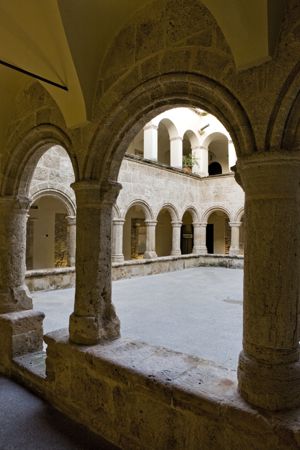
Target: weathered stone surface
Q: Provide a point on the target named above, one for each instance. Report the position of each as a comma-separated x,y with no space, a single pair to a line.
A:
20,333
149,397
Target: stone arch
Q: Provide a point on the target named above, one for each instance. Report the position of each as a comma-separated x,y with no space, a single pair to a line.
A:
193,211
170,126
172,210
191,135
145,207
213,209
212,136
116,213
25,156
56,193
239,214
141,105
282,131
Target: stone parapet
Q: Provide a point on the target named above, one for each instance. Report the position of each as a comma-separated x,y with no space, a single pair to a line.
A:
176,401
20,333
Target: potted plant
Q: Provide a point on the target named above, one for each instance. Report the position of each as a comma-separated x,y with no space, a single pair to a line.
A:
188,161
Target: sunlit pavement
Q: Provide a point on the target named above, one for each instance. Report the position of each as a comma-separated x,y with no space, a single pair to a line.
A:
196,311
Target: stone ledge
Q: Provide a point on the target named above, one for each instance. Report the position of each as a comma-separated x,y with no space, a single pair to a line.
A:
150,397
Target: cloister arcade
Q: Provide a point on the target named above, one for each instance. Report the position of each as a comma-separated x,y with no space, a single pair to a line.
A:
144,228
108,90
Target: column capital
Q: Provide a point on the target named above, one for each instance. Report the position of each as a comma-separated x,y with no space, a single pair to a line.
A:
18,204
199,224
273,174
118,221
150,126
91,194
150,223
176,224
235,224
176,138
71,220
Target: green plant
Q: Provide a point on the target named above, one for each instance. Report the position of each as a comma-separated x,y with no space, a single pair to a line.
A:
189,161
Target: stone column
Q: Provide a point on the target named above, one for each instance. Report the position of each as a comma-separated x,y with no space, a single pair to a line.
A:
235,238
176,235
150,142
176,152
94,318
150,239
71,239
201,156
199,238
14,295
231,155
117,240
269,370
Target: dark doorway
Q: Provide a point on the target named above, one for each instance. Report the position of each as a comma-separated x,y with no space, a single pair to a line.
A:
210,237
187,240
214,169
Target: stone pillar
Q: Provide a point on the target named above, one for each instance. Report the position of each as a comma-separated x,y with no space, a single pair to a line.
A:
201,156
269,370
71,240
150,239
231,155
117,240
94,318
150,142
235,238
176,235
176,152
14,295
199,238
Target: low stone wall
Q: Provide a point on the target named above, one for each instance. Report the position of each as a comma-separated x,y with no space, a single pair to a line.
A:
142,267
46,279
64,277
142,397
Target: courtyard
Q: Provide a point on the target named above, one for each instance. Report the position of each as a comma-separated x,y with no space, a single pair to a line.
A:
194,311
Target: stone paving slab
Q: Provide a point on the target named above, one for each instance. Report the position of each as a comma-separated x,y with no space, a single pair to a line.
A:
195,311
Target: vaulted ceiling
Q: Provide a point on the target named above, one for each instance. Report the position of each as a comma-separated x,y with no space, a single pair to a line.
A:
64,41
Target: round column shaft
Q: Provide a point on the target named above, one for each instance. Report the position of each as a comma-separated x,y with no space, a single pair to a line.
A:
150,239
269,370
117,244
71,240
94,318
176,234
235,238
14,294
199,238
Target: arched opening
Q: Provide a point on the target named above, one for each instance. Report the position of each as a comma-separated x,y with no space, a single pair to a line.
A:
218,233
47,239
50,238
134,232
187,158
163,144
136,146
163,233
187,234
214,168
218,161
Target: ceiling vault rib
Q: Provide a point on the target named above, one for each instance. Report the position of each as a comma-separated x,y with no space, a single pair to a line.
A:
33,75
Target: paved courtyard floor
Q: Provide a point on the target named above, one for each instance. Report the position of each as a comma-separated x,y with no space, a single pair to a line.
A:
195,311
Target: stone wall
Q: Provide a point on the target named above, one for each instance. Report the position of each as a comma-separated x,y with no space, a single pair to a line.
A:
158,186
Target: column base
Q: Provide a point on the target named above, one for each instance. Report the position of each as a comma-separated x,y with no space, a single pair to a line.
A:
200,251
20,333
117,258
234,252
272,387
86,330
15,299
150,255
176,253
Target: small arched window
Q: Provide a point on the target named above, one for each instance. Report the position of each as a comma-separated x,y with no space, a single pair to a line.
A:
214,168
